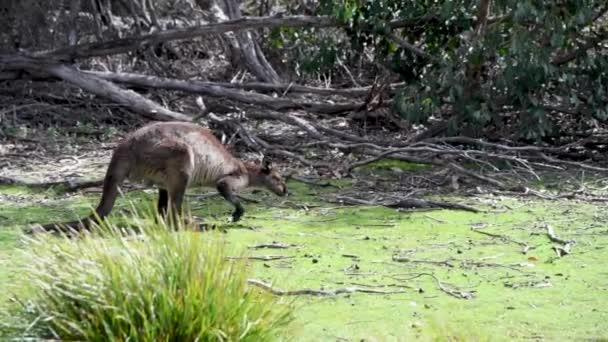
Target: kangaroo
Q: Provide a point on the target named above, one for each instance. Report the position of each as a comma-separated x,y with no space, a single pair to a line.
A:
177,155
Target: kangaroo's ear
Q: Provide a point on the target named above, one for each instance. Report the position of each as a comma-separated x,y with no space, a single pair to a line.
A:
266,165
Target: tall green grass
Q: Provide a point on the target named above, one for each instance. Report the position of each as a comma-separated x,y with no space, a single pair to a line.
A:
156,285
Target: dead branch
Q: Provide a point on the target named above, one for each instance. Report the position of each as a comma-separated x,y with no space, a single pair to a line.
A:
450,290
575,164
411,47
69,185
473,141
445,263
537,284
128,98
525,247
535,150
322,184
408,203
472,174
555,238
204,88
275,245
567,245
92,84
298,88
133,43
425,148
263,257
124,45
312,292
258,144
289,119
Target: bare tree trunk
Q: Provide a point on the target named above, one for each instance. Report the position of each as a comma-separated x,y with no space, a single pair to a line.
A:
73,31
252,54
473,71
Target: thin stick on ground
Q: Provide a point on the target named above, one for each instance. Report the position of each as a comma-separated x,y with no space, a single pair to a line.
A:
312,292
559,250
450,290
408,203
525,246
275,245
263,257
70,185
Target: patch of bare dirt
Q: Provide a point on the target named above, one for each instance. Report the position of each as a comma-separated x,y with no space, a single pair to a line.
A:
44,160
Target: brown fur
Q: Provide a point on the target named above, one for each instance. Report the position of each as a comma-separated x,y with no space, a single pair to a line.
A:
178,155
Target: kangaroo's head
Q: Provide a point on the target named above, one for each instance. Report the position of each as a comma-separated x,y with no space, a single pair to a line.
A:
266,176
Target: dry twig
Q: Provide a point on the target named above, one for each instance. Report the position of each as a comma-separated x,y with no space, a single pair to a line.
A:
263,257
567,245
280,292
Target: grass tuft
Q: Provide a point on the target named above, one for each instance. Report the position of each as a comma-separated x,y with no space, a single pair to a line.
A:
156,285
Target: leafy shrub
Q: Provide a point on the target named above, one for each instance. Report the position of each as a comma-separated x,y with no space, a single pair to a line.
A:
533,61
154,286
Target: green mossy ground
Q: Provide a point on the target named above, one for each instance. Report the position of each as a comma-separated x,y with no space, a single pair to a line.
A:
517,296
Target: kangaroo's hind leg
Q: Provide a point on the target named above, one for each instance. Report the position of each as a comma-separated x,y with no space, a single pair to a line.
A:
177,169
163,202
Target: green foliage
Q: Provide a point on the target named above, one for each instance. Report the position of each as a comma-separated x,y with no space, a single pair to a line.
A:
154,286
513,66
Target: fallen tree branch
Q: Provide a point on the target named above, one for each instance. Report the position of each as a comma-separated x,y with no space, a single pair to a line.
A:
280,292
297,88
263,257
450,290
540,150
258,144
423,148
322,184
525,247
567,245
537,284
69,185
408,203
92,84
274,245
472,174
133,43
124,45
446,263
206,88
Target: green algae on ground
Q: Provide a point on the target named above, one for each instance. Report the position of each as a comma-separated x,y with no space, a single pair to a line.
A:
516,296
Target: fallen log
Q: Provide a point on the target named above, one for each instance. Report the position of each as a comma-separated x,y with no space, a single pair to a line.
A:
92,84
205,88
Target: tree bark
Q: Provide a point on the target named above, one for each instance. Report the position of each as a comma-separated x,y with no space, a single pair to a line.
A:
252,55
